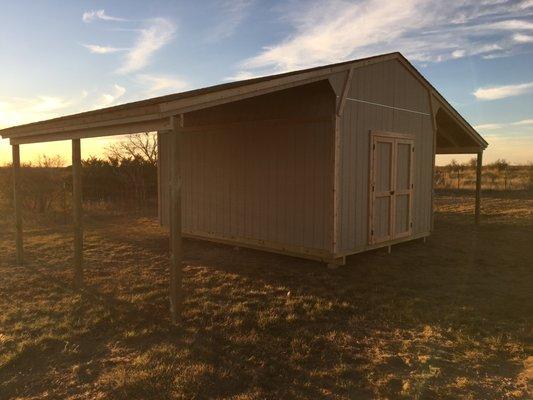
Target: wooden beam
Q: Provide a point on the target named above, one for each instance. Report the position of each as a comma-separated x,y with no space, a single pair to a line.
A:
77,213
175,290
458,150
79,133
17,206
336,183
345,90
446,135
433,109
479,166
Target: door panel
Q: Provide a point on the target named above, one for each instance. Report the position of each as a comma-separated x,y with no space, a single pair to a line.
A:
402,217
403,188
384,163
381,226
382,218
391,187
403,169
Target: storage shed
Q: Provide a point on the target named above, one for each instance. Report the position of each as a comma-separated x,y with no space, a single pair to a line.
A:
320,163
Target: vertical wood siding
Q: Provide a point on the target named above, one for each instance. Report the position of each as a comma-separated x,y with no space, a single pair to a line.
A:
259,181
391,84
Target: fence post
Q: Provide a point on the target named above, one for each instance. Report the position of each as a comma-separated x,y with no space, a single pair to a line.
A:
77,213
479,165
16,204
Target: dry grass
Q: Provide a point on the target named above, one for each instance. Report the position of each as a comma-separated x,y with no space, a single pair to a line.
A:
447,319
514,177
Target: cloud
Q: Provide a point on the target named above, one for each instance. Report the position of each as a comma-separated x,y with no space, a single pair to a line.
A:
160,85
501,92
109,99
484,127
156,34
97,49
90,16
512,25
521,38
523,122
423,30
242,75
17,110
230,14
506,128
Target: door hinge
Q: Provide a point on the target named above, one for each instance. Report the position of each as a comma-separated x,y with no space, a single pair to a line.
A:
372,232
413,149
372,187
410,224
374,146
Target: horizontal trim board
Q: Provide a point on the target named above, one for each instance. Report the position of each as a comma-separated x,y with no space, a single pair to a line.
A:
382,244
126,129
269,121
279,248
393,135
387,106
142,119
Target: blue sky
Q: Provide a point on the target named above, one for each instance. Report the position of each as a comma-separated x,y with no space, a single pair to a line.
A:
61,57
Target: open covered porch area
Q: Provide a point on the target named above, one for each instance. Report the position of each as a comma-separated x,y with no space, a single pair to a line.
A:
453,136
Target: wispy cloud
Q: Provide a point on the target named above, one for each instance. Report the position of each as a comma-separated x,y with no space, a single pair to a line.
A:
97,49
524,122
90,16
157,33
17,110
157,85
521,38
242,75
230,14
109,99
486,127
501,92
424,30
521,127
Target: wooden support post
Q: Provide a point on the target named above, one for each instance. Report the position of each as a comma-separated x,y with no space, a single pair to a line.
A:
479,166
77,213
176,295
16,204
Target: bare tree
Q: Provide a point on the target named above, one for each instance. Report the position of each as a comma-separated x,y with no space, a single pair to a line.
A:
457,168
44,161
142,145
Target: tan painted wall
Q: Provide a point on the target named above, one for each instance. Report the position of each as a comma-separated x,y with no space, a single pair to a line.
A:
267,183
391,84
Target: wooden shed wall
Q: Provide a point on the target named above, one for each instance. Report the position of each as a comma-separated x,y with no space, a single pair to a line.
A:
387,83
259,171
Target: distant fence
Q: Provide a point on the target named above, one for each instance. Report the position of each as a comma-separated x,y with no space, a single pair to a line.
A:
129,184
509,177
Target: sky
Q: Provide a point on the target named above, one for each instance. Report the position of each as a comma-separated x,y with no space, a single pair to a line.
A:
62,57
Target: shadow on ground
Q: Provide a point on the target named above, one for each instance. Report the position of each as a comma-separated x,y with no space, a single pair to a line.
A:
446,319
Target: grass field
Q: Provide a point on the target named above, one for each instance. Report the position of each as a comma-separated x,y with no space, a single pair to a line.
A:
449,319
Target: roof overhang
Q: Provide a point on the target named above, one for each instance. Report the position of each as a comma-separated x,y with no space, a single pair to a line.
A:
153,114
